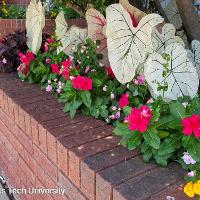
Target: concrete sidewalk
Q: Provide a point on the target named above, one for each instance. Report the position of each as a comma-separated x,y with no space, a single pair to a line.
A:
4,195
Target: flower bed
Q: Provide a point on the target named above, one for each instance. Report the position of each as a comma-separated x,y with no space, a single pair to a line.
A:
81,83
41,147
142,93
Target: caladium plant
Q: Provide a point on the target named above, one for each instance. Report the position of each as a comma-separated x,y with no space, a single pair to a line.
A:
133,11
172,13
161,40
171,75
97,31
127,45
194,55
69,37
35,22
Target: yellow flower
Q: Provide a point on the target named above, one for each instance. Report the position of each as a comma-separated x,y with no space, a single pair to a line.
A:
197,187
189,189
53,14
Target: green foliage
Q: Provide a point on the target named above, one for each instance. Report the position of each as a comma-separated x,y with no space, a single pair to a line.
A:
14,12
98,4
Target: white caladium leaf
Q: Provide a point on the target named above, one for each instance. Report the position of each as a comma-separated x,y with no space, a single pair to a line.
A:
127,45
61,25
172,13
69,38
183,36
194,55
161,40
35,22
171,75
96,31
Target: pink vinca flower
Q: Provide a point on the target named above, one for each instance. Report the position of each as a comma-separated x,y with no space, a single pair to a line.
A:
50,40
187,158
140,80
151,100
49,88
192,173
48,60
192,125
47,43
124,100
139,119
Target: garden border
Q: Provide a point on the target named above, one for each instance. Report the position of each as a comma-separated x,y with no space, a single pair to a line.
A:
40,146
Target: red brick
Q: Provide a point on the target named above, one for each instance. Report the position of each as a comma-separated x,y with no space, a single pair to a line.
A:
62,154
74,169
39,172
23,138
117,174
21,120
42,138
154,181
71,190
86,150
175,191
52,147
14,23
34,131
50,183
27,171
72,126
86,135
10,109
27,119
6,120
16,113
45,163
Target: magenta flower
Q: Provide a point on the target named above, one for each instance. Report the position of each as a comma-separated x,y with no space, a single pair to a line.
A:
67,63
192,125
139,119
124,100
55,68
82,83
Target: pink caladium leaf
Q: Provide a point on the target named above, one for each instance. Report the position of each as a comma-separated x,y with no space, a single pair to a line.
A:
96,30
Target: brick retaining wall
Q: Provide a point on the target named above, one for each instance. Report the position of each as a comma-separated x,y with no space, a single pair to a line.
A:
10,25
21,2
40,146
